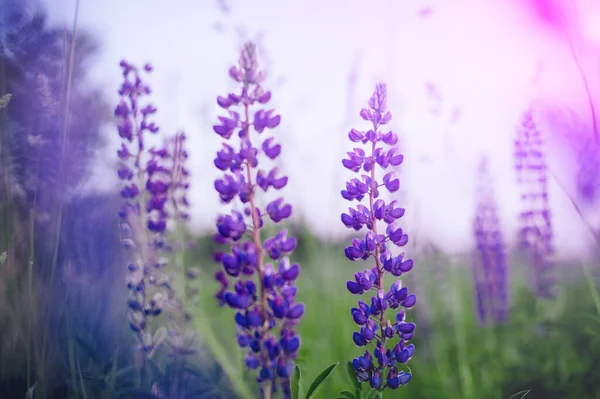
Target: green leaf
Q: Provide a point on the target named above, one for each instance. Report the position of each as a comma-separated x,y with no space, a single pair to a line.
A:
2,258
220,353
374,394
357,385
520,395
347,395
4,100
319,379
296,383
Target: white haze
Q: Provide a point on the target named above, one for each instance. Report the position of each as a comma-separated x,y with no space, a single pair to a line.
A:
487,60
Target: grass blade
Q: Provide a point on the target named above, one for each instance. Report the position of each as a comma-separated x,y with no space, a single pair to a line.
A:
319,380
296,383
520,395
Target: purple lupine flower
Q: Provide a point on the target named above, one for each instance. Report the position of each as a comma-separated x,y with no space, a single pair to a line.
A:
141,194
490,276
262,293
154,190
169,162
174,154
376,329
535,218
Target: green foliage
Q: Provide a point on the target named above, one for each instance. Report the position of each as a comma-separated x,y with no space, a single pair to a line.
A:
520,395
295,385
319,380
548,349
539,351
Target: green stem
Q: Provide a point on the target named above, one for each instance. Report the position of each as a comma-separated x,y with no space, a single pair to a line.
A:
64,136
461,339
585,83
5,155
30,292
71,359
592,287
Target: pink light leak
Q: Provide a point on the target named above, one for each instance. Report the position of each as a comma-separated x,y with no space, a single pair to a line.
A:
578,17
574,27
425,12
546,11
478,64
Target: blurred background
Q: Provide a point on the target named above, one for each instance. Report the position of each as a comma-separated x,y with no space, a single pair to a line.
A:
460,76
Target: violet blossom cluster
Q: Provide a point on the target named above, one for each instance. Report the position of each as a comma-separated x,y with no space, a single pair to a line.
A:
148,186
263,294
167,166
489,268
381,367
535,218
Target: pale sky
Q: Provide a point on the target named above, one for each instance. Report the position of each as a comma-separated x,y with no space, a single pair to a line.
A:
487,60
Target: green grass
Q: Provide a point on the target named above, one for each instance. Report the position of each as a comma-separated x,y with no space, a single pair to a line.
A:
550,348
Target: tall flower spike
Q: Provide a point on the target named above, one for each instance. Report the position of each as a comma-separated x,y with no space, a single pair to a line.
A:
376,329
489,267
169,162
263,294
142,214
535,218
179,178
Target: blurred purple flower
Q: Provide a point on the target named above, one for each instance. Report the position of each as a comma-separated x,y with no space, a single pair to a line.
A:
154,192
490,275
535,218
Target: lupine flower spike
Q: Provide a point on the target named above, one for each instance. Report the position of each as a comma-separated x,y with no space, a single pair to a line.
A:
143,218
168,163
535,219
382,366
262,293
489,267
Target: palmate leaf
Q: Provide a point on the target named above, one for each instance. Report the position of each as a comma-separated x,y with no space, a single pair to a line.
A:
319,380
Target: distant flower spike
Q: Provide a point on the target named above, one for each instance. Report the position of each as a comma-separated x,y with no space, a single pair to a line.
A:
143,193
535,219
376,329
489,268
154,190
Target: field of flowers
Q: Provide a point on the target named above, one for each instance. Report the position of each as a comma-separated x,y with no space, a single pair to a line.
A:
113,296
